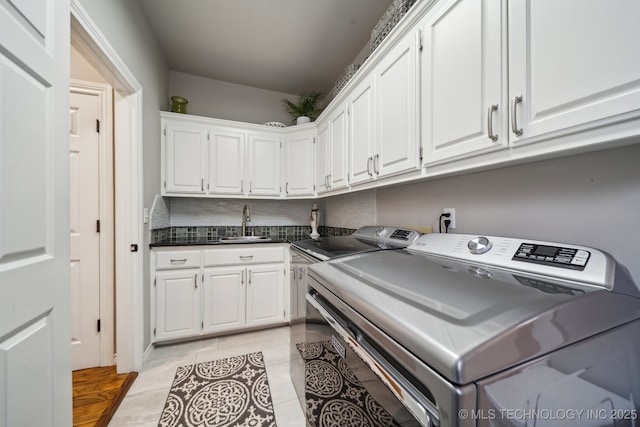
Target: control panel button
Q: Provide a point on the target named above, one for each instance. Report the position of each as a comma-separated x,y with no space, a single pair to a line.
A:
479,245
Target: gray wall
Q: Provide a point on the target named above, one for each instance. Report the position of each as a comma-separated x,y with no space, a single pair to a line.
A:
125,27
222,100
590,199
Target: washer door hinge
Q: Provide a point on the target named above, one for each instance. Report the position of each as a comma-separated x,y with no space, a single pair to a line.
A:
97,126
98,325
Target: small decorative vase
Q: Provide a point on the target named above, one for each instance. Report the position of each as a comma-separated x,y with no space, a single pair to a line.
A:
314,221
179,104
302,120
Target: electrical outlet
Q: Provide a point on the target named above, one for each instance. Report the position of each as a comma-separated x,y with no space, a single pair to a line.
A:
452,216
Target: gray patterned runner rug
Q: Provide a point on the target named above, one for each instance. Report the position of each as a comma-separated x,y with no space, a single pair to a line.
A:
334,394
230,392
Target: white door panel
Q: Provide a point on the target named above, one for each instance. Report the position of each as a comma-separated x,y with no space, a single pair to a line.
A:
84,143
35,354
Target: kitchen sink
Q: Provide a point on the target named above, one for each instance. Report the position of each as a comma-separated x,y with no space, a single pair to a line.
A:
245,239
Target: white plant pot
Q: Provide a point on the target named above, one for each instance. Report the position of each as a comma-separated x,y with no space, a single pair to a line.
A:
302,119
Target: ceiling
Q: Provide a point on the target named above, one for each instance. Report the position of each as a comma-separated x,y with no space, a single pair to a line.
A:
289,46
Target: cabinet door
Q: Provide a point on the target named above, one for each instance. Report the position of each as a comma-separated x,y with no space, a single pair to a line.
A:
299,160
323,158
338,150
223,299
397,144
461,80
177,307
361,119
573,63
226,162
264,165
184,158
265,295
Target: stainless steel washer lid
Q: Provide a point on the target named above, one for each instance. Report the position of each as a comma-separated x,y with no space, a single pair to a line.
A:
365,239
467,321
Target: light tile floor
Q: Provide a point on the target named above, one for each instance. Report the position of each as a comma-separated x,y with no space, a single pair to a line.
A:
143,403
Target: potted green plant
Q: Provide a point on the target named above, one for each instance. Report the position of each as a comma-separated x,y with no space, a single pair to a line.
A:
305,109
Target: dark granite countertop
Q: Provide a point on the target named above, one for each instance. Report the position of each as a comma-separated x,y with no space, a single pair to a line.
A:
200,241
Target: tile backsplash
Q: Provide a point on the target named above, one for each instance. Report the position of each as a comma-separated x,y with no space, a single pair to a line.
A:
213,233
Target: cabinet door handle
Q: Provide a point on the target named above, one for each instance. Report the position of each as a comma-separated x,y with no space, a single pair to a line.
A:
195,280
514,121
178,261
249,276
376,164
492,108
246,257
242,186
242,277
286,188
250,186
369,161
201,184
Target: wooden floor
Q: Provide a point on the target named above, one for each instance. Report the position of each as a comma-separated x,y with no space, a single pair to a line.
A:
97,393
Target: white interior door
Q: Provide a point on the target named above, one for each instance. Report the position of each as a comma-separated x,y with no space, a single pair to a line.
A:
84,166
35,351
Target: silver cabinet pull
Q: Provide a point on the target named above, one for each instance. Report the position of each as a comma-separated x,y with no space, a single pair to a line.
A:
242,277
246,257
514,121
376,164
178,261
369,161
250,186
242,186
492,108
201,184
249,276
286,188
195,280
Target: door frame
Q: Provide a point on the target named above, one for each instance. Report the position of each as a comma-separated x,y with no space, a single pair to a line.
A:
87,38
103,93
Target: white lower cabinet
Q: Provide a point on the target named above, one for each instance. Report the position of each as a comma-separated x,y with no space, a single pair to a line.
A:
213,290
237,297
177,304
223,299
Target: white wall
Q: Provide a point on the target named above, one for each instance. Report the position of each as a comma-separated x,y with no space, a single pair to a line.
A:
124,25
222,100
590,199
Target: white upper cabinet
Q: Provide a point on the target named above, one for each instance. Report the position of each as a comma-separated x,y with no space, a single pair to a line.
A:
338,165
463,105
226,162
299,163
397,145
572,63
211,157
184,159
570,76
264,164
361,122
332,151
323,157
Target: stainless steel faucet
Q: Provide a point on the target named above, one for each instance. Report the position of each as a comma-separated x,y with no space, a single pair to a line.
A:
246,216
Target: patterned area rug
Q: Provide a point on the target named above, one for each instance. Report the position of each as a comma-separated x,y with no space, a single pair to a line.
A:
230,392
334,394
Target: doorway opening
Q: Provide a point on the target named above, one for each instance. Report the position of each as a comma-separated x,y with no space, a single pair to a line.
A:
89,42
